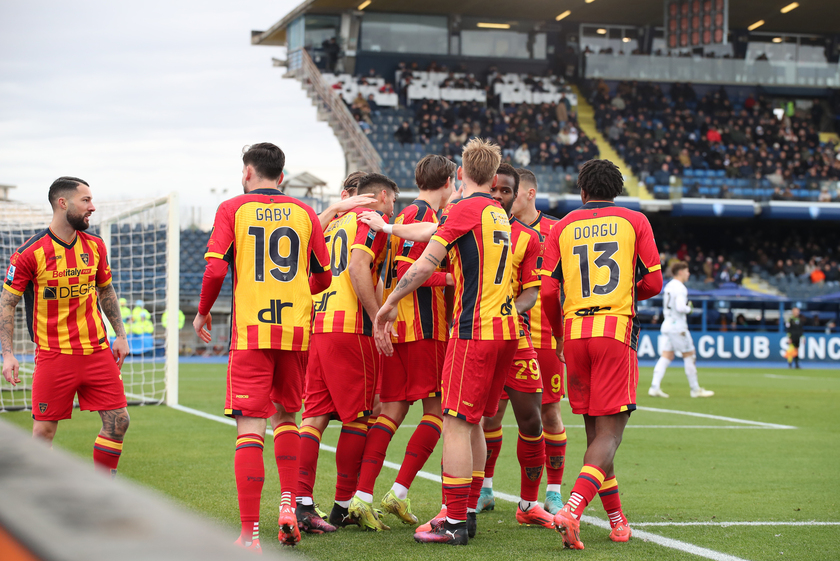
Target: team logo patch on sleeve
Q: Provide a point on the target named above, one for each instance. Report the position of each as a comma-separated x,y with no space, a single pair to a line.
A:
85,258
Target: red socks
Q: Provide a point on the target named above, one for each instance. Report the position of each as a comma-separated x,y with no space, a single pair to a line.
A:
419,448
530,451
376,445
555,456
612,502
493,439
250,474
457,492
106,453
348,459
310,442
586,486
286,454
475,490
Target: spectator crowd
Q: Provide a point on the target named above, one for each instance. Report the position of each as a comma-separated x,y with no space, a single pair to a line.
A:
662,136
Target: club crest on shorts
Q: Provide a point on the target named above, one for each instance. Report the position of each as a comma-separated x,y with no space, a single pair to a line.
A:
85,258
43,407
534,473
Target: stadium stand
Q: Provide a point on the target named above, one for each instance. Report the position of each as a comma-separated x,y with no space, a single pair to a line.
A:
715,145
532,118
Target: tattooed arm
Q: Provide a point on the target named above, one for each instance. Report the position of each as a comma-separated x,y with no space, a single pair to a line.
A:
421,270
8,302
110,304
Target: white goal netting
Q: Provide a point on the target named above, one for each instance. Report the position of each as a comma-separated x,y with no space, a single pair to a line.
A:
142,237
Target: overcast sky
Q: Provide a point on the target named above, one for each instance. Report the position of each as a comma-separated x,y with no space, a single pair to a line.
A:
143,98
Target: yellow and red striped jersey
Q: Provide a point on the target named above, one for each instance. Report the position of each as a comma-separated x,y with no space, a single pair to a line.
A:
541,334
476,232
58,282
422,314
526,260
338,309
596,252
274,242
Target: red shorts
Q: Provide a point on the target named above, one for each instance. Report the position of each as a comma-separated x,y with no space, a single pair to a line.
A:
258,378
413,372
59,377
524,374
474,373
341,377
602,376
552,375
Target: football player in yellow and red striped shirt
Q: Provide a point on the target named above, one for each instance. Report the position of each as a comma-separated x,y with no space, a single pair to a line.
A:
341,330
551,369
413,372
475,232
607,260
62,273
276,247
524,385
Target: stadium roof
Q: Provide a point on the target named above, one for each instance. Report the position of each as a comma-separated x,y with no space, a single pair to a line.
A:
811,17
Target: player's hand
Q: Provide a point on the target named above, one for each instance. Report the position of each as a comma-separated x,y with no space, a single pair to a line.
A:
203,325
11,369
372,219
120,350
450,280
383,326
458,194
560,356
357,200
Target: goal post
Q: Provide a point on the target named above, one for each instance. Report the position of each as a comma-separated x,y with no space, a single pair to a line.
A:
143,242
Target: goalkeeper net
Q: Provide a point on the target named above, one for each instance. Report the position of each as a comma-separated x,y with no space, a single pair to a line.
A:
142,237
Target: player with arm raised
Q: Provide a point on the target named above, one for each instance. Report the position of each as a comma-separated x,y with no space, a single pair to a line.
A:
675,309
475,232
341,334
524,385
551,369
413,372
274,244
607,260
349,199
62,273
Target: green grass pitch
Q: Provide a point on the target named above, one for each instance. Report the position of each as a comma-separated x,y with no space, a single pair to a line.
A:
672,469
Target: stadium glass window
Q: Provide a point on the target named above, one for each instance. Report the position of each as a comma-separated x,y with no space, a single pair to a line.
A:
400,33
494,43
319,29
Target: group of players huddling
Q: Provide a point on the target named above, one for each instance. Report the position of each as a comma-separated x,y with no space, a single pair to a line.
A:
456,303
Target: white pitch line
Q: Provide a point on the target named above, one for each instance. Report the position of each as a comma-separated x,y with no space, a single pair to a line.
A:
704,427
727,524
717,417
641,534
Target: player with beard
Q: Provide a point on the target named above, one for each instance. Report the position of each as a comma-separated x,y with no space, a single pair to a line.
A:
62,273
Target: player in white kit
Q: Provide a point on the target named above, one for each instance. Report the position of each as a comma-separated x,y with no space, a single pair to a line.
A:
675,309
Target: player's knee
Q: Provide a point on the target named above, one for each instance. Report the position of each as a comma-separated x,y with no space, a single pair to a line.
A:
531,424
551,419
44,431
121,422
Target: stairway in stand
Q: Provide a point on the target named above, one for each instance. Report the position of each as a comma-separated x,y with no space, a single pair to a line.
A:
586,120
